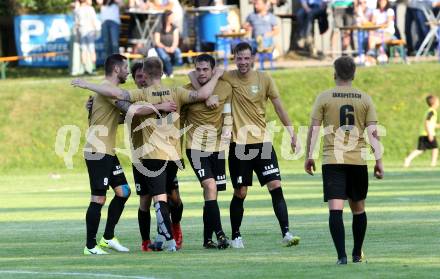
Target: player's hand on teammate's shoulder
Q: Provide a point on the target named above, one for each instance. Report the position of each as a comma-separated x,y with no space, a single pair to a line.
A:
169,106
219,72
378,170
309,166
212,102
78,82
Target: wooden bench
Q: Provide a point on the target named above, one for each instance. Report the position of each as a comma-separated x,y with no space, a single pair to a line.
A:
396,45
4,61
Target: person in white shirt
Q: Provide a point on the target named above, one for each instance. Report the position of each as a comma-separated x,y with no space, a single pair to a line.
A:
384,16
86,26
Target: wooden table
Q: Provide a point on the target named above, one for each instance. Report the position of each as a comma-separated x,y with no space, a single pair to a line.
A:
153,19
360,29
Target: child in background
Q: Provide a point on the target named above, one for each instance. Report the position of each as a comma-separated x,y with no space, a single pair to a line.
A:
427,138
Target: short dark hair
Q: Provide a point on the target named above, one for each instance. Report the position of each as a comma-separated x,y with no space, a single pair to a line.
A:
243,46
205,58
345,68
111,61
134,68
430,100
153,67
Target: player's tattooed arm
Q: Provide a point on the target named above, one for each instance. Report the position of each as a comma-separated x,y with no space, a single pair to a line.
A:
193,96
102,89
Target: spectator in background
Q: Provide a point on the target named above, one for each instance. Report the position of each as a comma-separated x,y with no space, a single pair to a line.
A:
343,15
262,25
310,10
161,5
383,15
166,40
414,15
393,5
364,16
86,26
170,5
110,24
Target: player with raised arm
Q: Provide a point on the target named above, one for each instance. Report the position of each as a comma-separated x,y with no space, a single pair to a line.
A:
345,113
102,163
160,154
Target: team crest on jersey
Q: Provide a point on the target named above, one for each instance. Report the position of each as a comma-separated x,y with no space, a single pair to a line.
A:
254,89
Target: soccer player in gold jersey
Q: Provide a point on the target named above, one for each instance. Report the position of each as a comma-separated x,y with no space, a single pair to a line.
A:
251,148
160,154
208,135
345,113
102,163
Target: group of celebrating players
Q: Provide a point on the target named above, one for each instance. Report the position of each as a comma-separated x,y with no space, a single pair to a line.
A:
218,111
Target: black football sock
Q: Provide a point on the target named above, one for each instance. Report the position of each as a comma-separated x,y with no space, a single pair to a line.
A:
359,227
280,209
176,212
115,209
144,220
207,229
163,220
337,231
93,216
213,213
236,211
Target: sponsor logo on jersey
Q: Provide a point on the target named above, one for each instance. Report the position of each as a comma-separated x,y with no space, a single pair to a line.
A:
161,93
255,89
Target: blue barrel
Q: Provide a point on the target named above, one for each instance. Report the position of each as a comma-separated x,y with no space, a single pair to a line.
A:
209,24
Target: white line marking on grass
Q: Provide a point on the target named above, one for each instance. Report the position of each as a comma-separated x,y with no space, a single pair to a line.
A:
99,275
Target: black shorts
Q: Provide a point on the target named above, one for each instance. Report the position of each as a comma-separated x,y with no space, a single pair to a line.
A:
425,144
155,177
345,181
104,172
246,158
208,165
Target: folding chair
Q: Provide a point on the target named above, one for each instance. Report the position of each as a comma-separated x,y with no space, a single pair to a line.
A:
433,33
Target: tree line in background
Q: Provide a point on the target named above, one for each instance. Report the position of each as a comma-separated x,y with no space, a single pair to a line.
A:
16,7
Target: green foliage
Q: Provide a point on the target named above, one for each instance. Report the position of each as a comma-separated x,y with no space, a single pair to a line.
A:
36,6
32,110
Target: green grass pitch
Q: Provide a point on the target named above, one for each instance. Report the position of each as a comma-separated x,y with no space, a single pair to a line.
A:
42,226
43,232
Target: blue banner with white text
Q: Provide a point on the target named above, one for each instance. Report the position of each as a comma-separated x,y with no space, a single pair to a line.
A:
37,34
